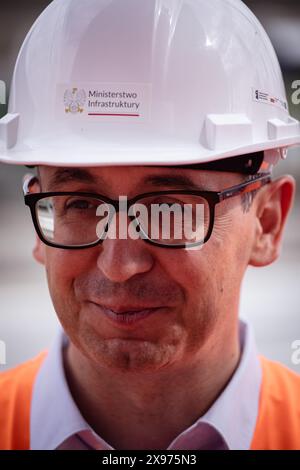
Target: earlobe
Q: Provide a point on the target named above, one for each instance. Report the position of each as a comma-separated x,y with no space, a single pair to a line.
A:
273,206
39,251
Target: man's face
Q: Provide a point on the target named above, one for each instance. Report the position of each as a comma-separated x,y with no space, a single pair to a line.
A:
196,292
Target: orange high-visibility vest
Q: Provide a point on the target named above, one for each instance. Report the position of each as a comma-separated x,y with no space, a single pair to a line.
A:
277,427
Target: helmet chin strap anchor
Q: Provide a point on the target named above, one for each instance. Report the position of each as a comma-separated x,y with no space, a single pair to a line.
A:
9,130
283,153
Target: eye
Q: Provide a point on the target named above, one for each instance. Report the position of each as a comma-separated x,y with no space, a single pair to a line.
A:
81,204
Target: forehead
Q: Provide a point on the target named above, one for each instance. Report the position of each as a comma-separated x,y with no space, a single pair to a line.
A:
132,177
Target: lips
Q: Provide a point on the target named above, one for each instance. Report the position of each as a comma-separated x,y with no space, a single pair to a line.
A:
127,309
122,307
127,315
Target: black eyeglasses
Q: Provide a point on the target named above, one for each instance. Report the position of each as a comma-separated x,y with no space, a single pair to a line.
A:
168,219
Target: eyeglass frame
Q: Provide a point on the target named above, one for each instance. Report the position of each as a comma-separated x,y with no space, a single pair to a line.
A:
212,197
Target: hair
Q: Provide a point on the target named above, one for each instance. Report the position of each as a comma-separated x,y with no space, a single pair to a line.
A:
247,198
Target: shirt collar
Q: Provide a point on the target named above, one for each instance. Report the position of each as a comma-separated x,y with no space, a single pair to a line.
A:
234,414
55,417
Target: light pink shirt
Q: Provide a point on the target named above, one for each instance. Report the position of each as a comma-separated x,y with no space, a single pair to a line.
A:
56,421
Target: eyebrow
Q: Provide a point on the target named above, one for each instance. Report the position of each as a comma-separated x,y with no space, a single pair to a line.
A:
66,175
181,181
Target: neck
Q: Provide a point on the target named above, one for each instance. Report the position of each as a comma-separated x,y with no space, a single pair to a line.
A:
149,410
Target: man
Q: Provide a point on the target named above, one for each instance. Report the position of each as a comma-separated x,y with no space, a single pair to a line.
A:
172,109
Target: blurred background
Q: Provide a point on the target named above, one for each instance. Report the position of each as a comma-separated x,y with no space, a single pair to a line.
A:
270,296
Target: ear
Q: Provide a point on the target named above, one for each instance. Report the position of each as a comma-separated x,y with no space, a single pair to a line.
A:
39,251
273,205
39,247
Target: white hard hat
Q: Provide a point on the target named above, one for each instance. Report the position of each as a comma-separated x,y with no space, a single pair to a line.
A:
158,82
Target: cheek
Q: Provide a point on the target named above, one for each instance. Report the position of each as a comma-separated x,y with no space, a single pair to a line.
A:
196,272
62,268
213,273
230,246
68,264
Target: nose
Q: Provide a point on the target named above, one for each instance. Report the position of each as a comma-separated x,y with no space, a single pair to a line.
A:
121,259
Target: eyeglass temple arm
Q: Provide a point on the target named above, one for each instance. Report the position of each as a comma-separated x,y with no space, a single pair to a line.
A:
246,187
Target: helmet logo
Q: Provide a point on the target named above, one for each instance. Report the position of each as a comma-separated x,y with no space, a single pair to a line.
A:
267,98
74,100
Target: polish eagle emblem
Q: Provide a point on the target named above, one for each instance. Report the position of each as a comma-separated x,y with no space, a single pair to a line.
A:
74,100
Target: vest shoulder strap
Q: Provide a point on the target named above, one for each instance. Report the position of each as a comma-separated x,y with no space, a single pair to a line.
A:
15,402
278,423
277,427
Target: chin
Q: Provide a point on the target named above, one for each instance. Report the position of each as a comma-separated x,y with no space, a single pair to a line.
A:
127,354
